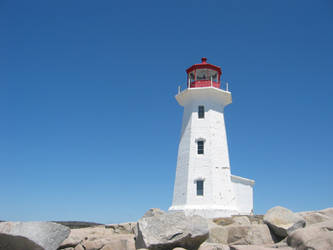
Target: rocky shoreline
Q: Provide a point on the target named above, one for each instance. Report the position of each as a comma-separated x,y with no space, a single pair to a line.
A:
279,228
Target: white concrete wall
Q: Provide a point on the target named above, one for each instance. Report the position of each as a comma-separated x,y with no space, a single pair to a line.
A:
244,192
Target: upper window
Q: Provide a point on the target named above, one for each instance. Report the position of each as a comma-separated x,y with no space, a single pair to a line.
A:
200,187
202,74
201,112
192,76
200,147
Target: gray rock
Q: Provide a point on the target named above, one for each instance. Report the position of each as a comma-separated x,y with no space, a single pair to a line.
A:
116,242
256,247
79,247
328,212
153,212
170,230
316,237
313,217
249,235
99,237
217,234
224,221
241,220
213,246
12,242
281,244
47,235
283,221
123,228
79,235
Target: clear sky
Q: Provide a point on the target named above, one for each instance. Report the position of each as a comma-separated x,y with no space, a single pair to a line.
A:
89,125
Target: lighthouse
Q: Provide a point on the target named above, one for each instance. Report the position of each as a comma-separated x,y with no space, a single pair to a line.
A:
203,182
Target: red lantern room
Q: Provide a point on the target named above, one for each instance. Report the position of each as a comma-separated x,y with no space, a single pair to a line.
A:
203,75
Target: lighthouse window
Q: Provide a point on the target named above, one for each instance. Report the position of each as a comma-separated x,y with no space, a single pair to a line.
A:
213,76
200,188
191,76
200,147
202,74
201,112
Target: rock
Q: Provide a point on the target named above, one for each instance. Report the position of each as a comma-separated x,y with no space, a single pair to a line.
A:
79,247
328,212
282,244
249,235
77,224
13,242
313,217
123,228
324,240
224,221
47,235
99,238
256,219
316,236
213,246
241,220
115,242
257,247
94,244
217,234
153,212
283,221
77,236
170,230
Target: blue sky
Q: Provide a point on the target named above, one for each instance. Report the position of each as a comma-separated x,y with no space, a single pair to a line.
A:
89,124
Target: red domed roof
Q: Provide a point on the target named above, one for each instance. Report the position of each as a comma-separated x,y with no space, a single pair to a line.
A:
204,75
204,65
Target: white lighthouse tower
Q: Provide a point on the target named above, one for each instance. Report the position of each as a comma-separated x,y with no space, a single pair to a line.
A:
204,184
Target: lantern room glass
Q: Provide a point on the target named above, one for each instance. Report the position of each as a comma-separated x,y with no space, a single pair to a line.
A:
203,75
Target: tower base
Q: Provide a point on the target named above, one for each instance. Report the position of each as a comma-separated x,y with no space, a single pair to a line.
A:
206,211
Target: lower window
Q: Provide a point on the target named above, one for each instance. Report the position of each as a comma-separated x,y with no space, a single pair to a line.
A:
200,188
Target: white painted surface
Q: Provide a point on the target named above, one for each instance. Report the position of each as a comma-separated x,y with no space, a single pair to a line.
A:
244,192
220,190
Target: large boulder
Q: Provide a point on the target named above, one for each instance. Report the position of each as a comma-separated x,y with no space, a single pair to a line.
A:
283,221
101,237
328,212
313,217
170,230
37,235
217,234
13,242
316,237
256,234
